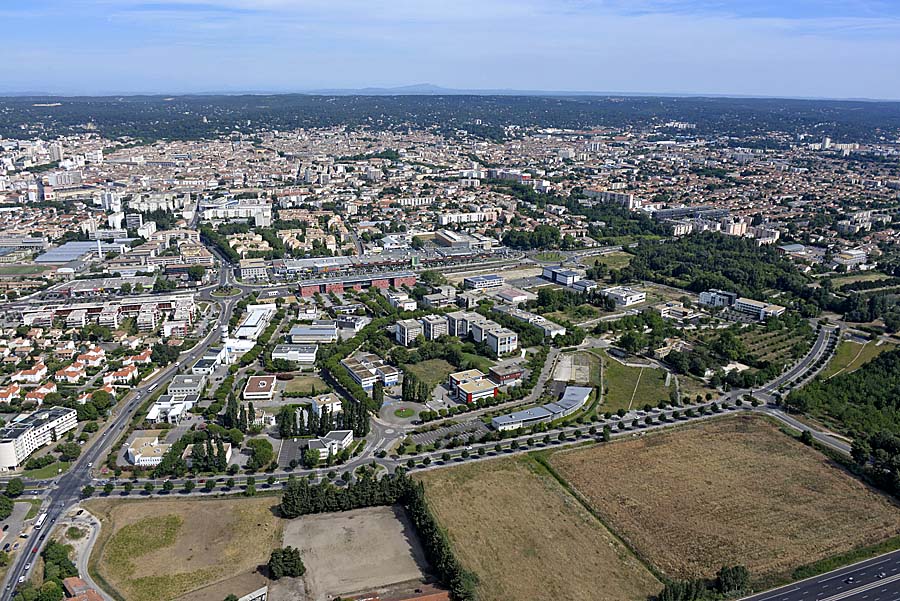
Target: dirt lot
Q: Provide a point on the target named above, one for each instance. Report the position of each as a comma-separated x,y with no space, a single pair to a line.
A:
521,532
356,551
153,550
728,491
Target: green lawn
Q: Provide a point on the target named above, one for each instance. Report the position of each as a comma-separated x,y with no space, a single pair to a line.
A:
549,256
21,269
33,510
46,472
632,387
305,384
615,260
404,413
850,356
432,371
869,276
481,363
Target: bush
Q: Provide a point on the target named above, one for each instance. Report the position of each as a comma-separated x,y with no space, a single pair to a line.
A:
286,562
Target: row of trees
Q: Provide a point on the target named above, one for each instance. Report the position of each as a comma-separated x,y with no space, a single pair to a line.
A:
729,581
301,498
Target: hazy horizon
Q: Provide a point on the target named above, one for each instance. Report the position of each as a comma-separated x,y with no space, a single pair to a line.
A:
830,49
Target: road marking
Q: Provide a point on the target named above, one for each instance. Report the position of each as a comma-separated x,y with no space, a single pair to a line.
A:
864,588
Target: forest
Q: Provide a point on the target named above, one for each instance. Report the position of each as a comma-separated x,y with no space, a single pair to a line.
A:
711,260
863,402
182,117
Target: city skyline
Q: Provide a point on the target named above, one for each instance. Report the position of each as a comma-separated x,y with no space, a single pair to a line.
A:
666,47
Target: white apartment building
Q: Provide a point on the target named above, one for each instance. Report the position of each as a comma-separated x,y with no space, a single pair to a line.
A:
407,331
502,341
434,326
21,438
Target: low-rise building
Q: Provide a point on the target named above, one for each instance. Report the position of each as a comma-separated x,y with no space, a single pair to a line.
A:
259,388
483,282
367,369
304,354
624,296
320,331
757,309
332,443
573,399
146,451
187,385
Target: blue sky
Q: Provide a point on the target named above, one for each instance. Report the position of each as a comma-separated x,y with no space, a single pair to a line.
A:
807,48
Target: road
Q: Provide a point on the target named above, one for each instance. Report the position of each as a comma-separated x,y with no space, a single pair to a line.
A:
66,491
876,579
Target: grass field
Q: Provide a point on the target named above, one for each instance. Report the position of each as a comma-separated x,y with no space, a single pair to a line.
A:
631,387
432,371
161,549
49,471
304,385
21,269
728,491
615,260
550,256
481,363
851,355
404,413
521,532
870,276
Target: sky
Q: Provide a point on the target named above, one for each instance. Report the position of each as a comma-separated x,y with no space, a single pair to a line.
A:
783,48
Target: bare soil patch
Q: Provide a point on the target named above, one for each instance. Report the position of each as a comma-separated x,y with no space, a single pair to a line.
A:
364,550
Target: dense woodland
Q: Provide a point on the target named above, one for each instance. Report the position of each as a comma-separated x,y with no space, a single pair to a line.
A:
863,401
182,117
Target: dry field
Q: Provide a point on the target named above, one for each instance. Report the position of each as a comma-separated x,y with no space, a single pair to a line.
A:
728,491
156,550
521,532
356,551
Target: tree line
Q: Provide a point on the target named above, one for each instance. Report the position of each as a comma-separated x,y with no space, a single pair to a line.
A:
301,498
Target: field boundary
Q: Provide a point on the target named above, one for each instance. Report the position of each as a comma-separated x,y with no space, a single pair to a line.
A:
538,458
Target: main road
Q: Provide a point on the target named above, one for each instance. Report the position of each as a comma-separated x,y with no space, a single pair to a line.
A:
66,489
876,579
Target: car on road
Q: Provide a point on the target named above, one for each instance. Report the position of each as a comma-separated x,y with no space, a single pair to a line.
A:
21,579
91,464
880,575
27,566
850,580
5,527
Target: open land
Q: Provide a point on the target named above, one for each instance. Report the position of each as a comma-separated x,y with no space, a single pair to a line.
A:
432,371
154,550
632,387
356,551
520,531
728,491
305,384
849,356
614,260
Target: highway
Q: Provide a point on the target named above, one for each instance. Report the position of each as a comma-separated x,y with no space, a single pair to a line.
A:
876,579
65,491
